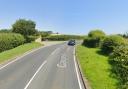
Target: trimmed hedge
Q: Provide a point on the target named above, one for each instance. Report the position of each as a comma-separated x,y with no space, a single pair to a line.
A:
10,40
120,66
62,37
111,42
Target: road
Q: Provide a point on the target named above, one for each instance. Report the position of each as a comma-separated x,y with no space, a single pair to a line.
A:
50,67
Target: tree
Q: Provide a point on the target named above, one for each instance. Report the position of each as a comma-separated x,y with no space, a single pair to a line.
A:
94,39
96,34
24,27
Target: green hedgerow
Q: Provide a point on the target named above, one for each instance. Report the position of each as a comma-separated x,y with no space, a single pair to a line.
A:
120,66
110,42
10,40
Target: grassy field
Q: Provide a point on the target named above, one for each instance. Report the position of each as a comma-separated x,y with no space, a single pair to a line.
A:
96,68
17,51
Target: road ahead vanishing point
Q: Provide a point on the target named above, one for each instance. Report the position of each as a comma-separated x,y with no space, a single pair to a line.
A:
51,67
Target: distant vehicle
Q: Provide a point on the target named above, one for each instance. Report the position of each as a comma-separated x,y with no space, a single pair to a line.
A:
71,42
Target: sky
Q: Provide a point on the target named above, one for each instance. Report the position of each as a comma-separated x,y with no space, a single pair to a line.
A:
68,16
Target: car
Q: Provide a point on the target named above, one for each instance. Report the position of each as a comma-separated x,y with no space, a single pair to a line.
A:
71,42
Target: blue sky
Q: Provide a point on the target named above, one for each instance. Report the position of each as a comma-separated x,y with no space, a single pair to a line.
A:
68,16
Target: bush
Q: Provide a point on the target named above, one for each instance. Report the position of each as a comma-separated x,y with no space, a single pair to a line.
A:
10,40
91,42
94,38
96,34
111,42
120,59
30,39
44,34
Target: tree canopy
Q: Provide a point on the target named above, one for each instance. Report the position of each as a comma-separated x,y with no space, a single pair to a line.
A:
96,33
24,27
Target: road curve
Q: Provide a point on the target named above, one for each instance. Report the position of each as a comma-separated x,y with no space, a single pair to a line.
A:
51,67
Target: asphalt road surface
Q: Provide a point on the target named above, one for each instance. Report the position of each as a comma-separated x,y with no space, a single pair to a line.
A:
50,67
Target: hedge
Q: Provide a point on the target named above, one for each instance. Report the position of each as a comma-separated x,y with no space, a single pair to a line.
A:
111,42
120,66
91,42
30,38
94,39
10,40
62,37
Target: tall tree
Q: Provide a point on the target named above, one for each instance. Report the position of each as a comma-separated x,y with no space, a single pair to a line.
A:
24,27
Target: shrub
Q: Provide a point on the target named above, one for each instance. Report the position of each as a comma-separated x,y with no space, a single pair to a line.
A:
96,34
10,40
120,59
44,34
91,42
111,42
94,38
30,39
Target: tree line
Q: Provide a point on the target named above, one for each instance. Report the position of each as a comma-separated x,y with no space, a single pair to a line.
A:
24,31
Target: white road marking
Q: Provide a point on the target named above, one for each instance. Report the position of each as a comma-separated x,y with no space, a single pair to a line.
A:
35,74
55,51
39,69
21,57
78,77
63,61
62,64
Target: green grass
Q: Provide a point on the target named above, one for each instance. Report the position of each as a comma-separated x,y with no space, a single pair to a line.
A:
9,54
96,68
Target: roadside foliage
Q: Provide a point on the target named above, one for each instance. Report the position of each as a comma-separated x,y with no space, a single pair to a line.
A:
115,47
10,40
119,60
110,42
27,28
62,37
94,38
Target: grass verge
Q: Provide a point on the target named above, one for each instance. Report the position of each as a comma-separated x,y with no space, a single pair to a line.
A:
96,68
6,55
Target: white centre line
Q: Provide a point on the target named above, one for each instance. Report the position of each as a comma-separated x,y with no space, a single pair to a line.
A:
78,77
35,74
40,69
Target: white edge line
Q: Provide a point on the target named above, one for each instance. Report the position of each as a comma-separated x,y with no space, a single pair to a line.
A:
35,74
78,77
21,57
